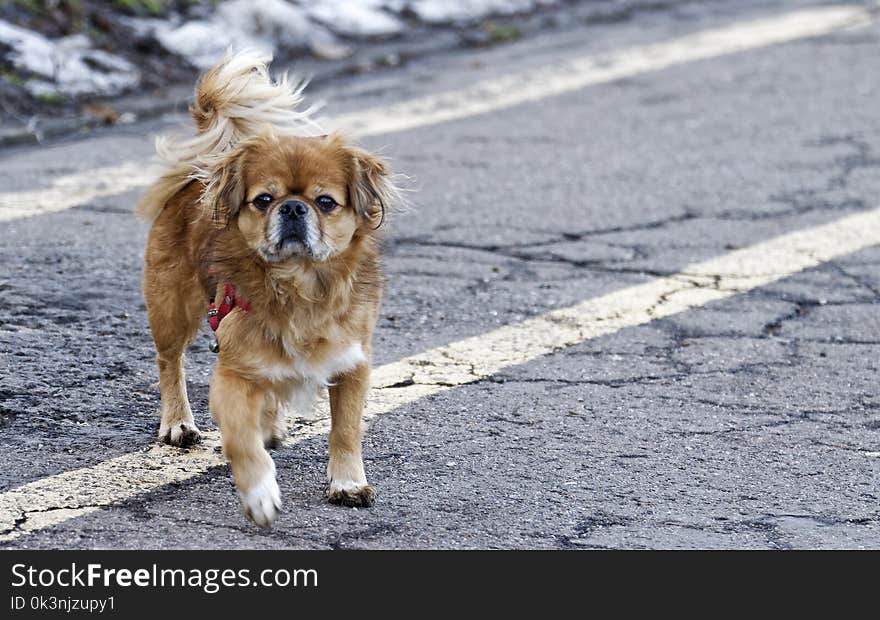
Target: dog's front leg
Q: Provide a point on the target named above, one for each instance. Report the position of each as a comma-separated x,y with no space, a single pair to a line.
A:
345,470
237,405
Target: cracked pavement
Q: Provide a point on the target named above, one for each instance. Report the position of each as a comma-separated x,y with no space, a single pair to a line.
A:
750,422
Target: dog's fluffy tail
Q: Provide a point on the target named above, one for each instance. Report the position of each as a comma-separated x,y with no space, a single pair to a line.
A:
234,101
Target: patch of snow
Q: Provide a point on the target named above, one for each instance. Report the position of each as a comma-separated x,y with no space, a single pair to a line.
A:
266,25
201,43
274,20
143,27
66,66
270,25
30,51
355,18
41,88
451,11
70,66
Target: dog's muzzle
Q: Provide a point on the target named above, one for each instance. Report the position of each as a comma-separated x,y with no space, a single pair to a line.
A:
294,224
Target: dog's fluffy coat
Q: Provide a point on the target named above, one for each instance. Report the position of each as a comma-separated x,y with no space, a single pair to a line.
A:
306,262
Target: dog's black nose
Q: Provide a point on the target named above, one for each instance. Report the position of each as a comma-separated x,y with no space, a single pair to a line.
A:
293,208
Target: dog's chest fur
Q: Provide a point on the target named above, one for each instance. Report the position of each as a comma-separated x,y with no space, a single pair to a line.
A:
317,365
307,324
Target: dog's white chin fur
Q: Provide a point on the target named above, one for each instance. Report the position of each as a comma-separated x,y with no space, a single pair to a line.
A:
291,250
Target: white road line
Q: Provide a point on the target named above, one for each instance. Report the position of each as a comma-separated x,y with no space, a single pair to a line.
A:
56,499
76,189
566,76
577,73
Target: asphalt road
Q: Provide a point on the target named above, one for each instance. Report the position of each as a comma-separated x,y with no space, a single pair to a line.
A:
751,421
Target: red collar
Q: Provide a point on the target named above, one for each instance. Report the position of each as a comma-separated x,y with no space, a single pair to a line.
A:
218,313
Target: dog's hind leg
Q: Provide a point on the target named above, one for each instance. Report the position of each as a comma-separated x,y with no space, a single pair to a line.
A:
294,399
174,313
273,423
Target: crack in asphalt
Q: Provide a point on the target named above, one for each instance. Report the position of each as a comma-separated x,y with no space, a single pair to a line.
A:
767,525
801,310
800,202
23,518
862,157
854,278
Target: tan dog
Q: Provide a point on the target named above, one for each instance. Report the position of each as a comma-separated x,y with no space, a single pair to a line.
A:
288,223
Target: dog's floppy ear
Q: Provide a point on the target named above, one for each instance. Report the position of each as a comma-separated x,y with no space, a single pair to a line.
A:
371,190
224,190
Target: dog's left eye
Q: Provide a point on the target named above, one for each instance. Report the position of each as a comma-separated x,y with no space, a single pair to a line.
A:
262,201
326,203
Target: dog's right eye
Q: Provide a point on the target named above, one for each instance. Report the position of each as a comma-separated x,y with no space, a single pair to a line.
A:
262,201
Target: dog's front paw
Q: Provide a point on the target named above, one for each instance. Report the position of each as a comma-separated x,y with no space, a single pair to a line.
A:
262,501
182,434
353,494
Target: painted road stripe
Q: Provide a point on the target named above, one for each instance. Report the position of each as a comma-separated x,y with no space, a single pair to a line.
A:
566,76
76,189
56,499
577,73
